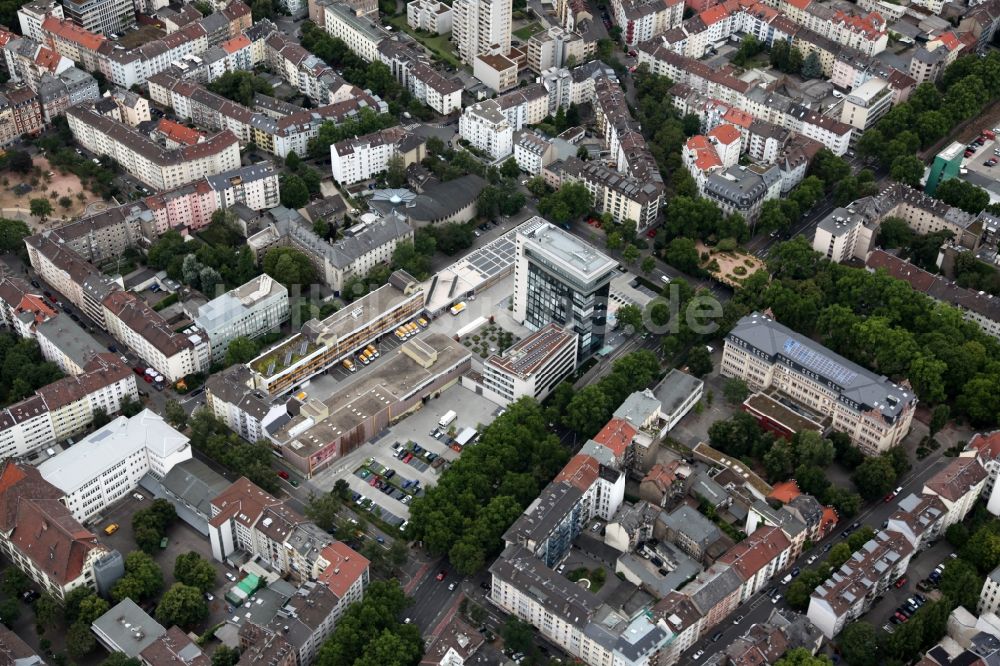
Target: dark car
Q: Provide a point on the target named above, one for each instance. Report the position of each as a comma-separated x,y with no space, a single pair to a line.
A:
34,283
716,636
795,572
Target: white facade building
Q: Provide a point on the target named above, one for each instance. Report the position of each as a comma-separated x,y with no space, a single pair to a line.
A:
875,413
481,26
532,367
959,486
136,325
429,15
250,310
105,466
485,126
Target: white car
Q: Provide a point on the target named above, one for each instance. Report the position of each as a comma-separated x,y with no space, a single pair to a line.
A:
812,558
451,586
776,598
138,496
230,576
697,655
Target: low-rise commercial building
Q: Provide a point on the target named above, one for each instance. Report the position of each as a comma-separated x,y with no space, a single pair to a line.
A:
321,344
105,466
532,367
126,628
871,410
322,432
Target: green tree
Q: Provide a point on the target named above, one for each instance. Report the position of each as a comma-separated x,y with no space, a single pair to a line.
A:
121,659
47,613
939,418
182,605
225,656
859,644
12,235
963,194
682,254
15,582
509,168
361,630
570,202
801,656
142,580
874,477
395,171
289,266
961,583
518,636
294,193
174,413
241,349
907,169
894,232
241,87
90,609
80,640
41,207
322,509
735,390
630,254
629,315
812,68
699,361
10,611
191,569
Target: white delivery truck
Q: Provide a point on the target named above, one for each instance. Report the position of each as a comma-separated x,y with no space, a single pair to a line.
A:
446,420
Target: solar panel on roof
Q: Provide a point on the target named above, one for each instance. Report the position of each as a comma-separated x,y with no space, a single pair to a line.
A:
818,362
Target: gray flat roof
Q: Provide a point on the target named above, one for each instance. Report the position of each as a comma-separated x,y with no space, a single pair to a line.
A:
568,250
70,338
675,388
128,627
857,387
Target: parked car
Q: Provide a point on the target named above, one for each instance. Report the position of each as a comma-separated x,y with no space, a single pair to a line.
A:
441,574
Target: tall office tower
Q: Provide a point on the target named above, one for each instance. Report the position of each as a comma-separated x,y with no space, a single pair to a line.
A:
560,278
481,26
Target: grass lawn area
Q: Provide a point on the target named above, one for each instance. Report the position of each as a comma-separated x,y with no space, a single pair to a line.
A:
527,31
595,577
439,45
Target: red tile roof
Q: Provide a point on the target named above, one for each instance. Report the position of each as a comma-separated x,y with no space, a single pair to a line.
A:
179,133
726,134
714,14
71,32
581,471
738,117
616,435
988,445
40,526
346,566
949,40
243,501
799,4
47,59
756,551
785,491
954,481
236,43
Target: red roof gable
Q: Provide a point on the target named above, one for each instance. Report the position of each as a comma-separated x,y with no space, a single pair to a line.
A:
179,133
346,566
581,471
726,134
616,435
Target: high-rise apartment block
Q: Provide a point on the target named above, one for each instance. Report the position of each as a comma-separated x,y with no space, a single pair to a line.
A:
481,26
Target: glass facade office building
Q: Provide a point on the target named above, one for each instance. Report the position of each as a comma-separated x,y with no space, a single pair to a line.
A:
561,279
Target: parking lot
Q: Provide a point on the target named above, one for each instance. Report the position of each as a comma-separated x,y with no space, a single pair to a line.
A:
182,538
920,567
473,411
